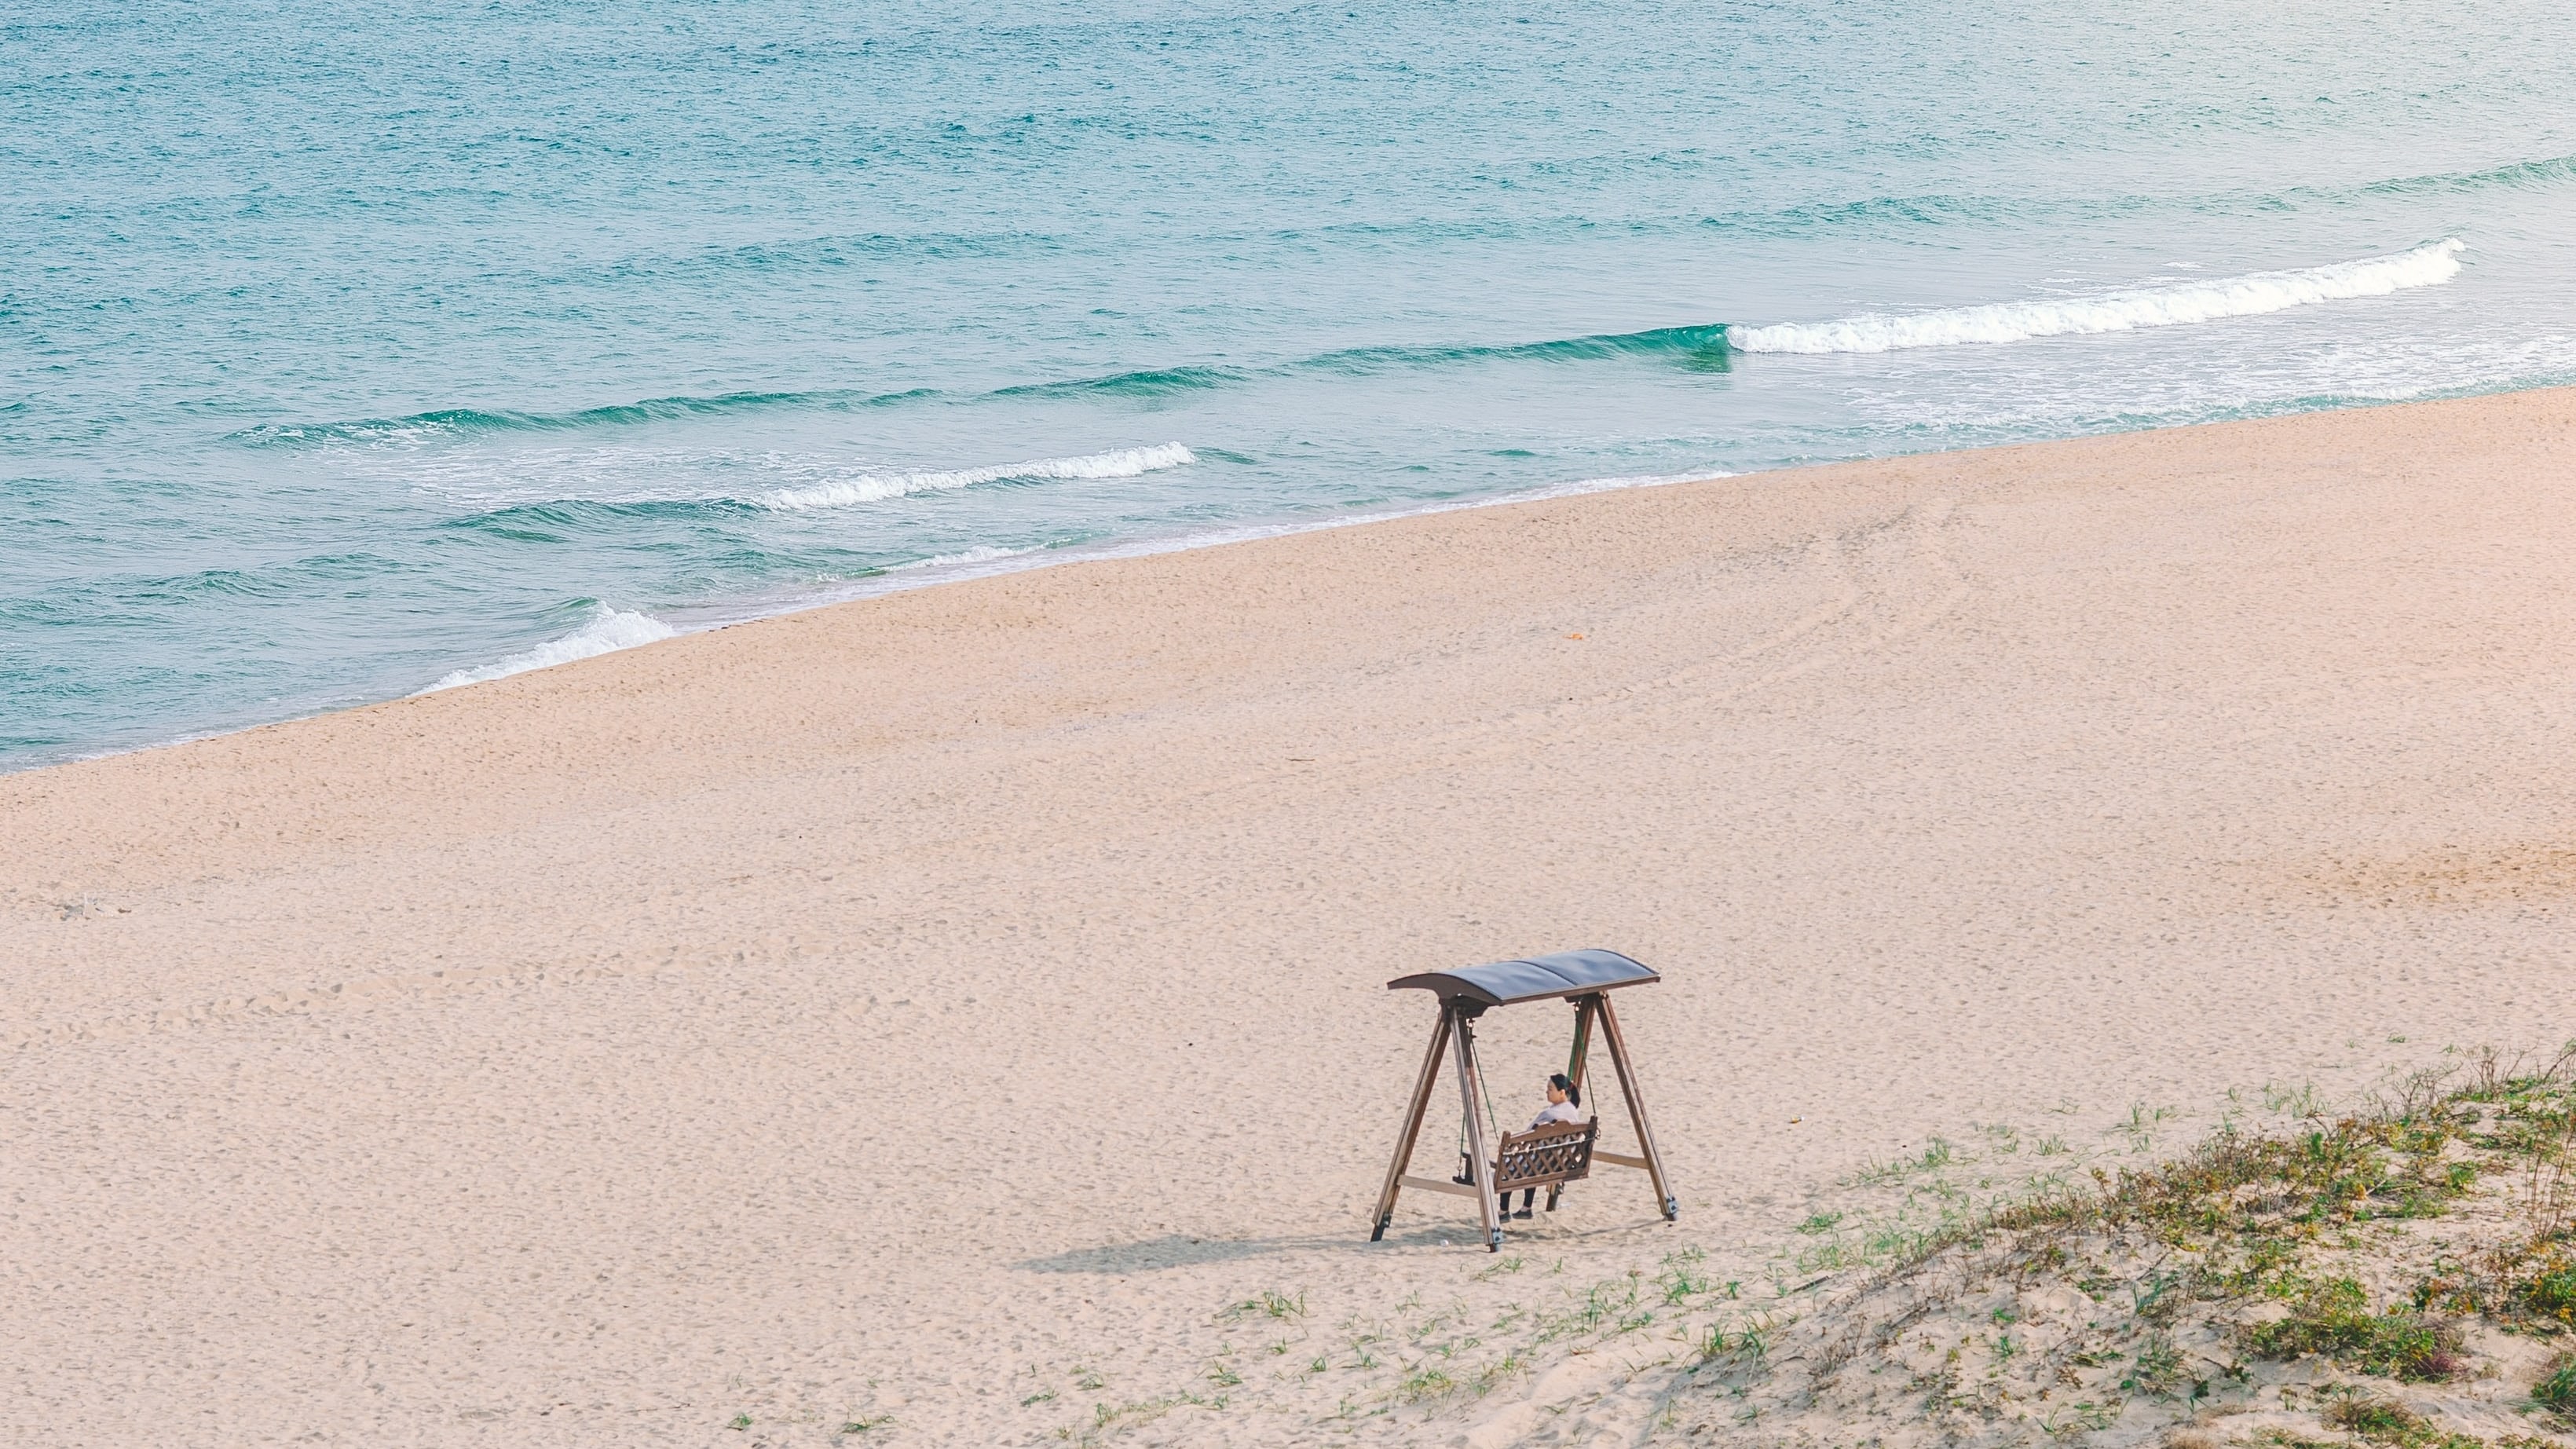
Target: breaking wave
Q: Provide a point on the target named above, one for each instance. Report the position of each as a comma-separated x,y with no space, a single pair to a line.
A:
451,424
980,553
1702,345
2245,296
1694,345
873,487
608,630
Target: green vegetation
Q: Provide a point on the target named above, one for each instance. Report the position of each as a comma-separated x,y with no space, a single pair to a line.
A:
2556,1390
2385,1421
2548,1288
2157,1369
1424,1383
1751,1341
2333,1318
2242,1214
2325,1239
1269,1304
2388,1422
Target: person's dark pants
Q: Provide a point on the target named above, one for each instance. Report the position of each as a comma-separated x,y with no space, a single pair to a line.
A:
1503,1204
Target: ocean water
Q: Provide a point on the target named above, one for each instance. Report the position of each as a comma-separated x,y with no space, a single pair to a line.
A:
351,351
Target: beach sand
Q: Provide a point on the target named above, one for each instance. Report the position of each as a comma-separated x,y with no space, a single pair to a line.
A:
934,1012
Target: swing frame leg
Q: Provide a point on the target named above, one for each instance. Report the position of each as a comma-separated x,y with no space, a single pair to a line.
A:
1470,1090
1636,1100
1410,1129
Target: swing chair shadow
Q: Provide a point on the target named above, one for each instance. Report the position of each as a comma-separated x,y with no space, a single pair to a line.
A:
1531,1236
1174,1250
1177,1250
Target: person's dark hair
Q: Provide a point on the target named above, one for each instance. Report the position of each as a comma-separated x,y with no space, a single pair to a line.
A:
1565,1084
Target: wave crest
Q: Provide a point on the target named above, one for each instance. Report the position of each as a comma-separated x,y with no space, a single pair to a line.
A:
1693,345
2246,296
608,630
875,487
1698,346
980,553
451,424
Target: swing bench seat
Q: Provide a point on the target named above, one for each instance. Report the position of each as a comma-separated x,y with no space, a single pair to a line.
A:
1557,1153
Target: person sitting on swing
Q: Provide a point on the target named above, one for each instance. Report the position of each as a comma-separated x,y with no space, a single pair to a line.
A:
1564,1104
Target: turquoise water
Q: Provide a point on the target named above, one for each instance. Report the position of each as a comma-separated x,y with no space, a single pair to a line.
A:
344,353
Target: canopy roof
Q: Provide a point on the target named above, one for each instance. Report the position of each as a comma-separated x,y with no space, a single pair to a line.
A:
1567,973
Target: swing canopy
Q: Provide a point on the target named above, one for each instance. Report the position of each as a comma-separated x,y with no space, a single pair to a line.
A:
1503,983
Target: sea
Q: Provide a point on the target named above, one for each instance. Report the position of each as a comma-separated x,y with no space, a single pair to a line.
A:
348,352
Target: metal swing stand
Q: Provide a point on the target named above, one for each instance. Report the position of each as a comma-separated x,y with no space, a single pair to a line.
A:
1548,1157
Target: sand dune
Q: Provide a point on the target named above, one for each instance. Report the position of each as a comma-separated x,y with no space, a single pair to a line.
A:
943,1012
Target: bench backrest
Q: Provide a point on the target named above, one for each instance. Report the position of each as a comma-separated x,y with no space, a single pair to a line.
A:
1558,1152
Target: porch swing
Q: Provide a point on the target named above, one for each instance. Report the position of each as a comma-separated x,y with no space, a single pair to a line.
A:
1549,1156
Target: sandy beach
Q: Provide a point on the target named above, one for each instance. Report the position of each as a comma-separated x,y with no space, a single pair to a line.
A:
941,1019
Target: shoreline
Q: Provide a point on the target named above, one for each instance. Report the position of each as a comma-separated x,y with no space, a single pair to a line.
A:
705,617
924,1005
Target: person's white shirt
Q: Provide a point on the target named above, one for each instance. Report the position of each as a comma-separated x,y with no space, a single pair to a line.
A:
1556,1112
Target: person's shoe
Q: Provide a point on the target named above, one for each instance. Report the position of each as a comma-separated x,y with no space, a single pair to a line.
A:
1524,1212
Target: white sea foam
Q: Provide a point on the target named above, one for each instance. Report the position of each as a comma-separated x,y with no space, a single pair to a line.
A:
980,553
1012,560
1605,485
1176,543
608,630
873,487
2245,296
